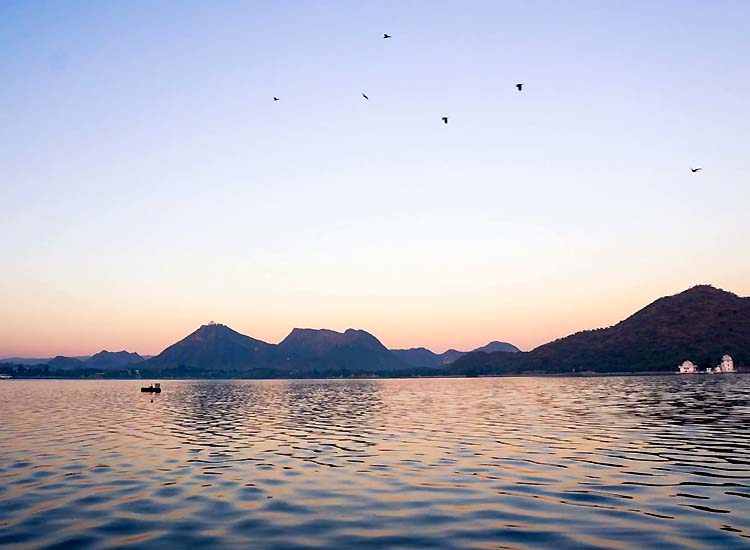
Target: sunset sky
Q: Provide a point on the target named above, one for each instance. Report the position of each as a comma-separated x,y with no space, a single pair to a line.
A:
149,183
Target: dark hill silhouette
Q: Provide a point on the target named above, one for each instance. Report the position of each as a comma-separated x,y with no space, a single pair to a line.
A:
213,347
422,357
112,359
65,363
327,349
37,360
700,324
498,346
448,356
217,350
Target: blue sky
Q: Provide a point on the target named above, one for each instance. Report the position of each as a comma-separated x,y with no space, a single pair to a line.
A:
148,182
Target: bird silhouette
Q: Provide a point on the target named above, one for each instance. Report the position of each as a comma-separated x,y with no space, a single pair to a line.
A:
445,119
365,95
519,86
694,170
275,98
386,35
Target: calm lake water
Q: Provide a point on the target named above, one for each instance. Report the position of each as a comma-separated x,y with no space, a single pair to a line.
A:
631,462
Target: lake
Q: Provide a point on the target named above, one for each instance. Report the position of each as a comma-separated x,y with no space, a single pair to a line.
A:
611,462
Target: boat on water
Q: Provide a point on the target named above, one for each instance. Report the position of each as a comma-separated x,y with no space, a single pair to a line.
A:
5,377
153,388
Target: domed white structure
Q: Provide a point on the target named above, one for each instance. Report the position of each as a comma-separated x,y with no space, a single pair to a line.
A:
726,365
688,367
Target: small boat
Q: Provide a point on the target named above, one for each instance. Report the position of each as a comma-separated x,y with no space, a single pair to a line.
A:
153,388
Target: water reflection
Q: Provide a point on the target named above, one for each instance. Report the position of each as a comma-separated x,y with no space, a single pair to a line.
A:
440,463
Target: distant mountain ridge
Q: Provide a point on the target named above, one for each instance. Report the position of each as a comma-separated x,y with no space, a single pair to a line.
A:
495,346
215,349
65,363
112,359
420,357
219,349
700,324
38,360
423,357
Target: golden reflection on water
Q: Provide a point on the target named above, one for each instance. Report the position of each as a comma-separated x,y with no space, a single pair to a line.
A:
437,463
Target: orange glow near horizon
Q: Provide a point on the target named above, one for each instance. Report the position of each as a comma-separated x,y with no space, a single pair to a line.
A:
79,328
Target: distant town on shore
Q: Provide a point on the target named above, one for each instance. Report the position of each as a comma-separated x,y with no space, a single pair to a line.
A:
703,323
726,366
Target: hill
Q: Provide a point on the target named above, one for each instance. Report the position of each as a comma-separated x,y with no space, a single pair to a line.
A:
498,346
423,357
36,360
418,357
700,324
112,359
216,348
355,350
64,363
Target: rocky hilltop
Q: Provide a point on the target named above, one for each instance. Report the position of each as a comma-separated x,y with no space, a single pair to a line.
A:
701,324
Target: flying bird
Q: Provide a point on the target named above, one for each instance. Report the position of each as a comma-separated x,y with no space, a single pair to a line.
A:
365,95
386,35
694,170
275,98
519,86
445,119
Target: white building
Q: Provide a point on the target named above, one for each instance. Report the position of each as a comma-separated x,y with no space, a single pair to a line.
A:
726,365
688,368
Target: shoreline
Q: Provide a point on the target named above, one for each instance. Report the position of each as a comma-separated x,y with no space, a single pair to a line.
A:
519,375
